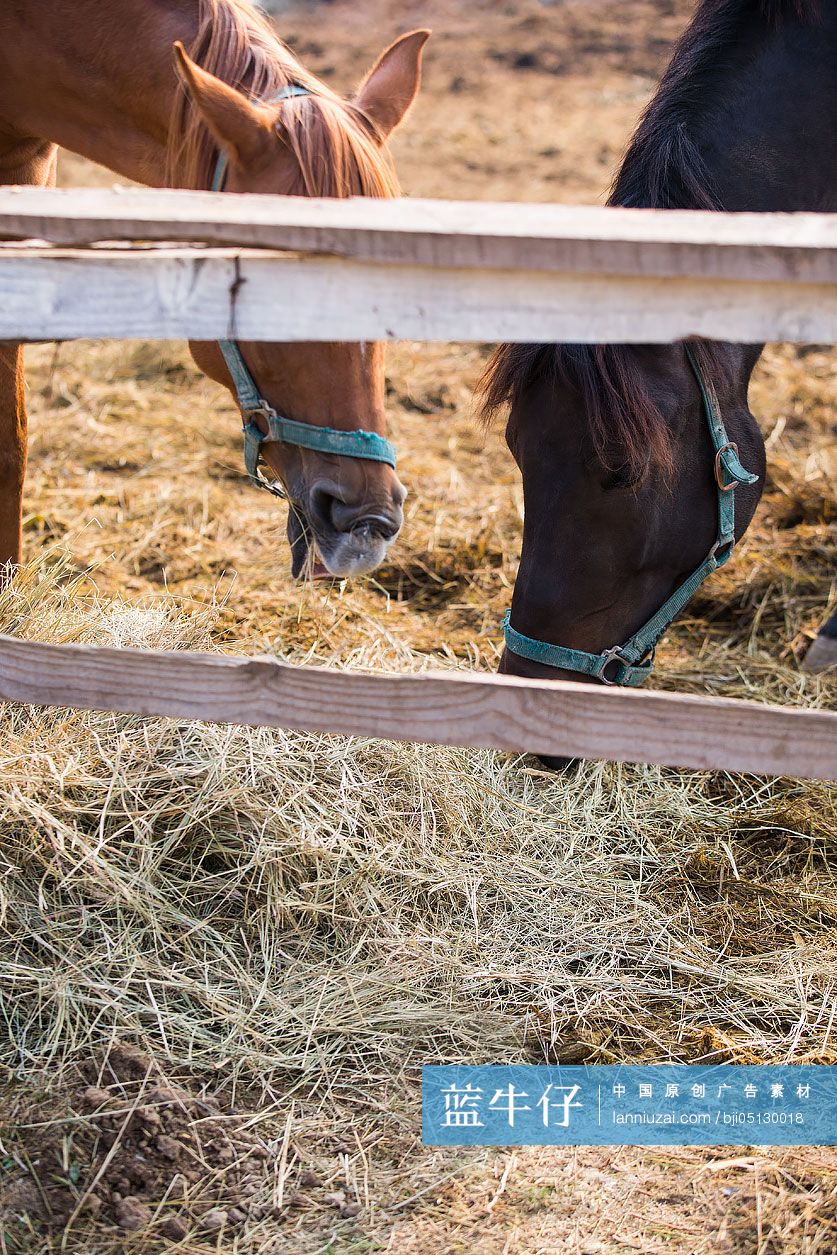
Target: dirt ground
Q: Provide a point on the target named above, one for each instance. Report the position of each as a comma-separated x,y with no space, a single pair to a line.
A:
136,474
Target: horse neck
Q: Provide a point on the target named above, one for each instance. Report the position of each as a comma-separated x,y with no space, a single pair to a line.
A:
97,79
745,115
752,131
768,138
769,143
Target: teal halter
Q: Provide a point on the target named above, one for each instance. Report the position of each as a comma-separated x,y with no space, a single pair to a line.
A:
631,663
348,444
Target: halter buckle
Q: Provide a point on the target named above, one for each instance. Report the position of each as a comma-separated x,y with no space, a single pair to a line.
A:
614,654
252,433
606,657
719,470
262,410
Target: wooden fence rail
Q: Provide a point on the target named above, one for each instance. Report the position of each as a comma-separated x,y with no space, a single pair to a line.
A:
408,270
586,239
547,717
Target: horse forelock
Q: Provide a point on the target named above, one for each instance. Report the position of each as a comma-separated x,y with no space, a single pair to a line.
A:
335,146
626,426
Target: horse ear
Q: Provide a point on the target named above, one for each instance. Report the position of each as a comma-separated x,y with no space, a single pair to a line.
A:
244,131
391,86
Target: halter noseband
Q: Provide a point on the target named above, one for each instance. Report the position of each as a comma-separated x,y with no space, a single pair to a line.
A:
631,663
348,444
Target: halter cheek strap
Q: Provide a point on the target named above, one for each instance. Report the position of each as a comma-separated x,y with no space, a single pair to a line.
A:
349,444
631,663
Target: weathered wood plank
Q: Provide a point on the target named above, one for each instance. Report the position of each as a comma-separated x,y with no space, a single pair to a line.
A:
567,238
162,293
496,711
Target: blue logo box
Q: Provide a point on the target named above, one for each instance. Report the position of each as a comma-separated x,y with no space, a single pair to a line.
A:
654,1105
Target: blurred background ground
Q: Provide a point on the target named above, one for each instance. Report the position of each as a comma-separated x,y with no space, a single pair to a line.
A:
236,927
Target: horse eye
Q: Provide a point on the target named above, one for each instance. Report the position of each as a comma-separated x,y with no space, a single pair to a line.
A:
512,432
621,478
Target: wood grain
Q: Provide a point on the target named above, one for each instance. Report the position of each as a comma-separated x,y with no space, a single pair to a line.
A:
165,293
481,235
558,718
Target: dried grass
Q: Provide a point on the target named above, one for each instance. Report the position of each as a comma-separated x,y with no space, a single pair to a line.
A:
299,901
282,912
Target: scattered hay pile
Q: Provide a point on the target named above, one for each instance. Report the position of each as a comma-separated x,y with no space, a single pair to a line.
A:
303,920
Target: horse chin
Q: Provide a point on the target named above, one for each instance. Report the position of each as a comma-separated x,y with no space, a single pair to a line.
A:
357,552
298,539
560,765
524,669
338,556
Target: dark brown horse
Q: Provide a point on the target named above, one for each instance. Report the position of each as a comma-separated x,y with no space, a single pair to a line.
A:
111,79
621,505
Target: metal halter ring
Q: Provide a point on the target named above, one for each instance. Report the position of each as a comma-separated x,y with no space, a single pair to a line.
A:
719,473
721,551
607,656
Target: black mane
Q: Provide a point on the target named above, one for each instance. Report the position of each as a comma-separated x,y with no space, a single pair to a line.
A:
663,168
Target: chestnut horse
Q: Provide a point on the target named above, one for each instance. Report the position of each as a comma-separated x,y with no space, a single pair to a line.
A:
628,479
112,80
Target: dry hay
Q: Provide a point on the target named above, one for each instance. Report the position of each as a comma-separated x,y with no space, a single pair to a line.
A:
302,920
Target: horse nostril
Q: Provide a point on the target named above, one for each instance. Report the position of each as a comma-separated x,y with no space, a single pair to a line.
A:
324,508
328,511
386,529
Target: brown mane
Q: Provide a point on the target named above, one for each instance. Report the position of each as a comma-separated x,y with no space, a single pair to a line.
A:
662,168
334,143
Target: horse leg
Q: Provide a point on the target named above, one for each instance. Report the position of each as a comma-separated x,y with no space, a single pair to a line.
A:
12,454
32,162
823,652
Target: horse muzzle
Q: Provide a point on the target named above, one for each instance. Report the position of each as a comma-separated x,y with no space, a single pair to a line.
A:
350,539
